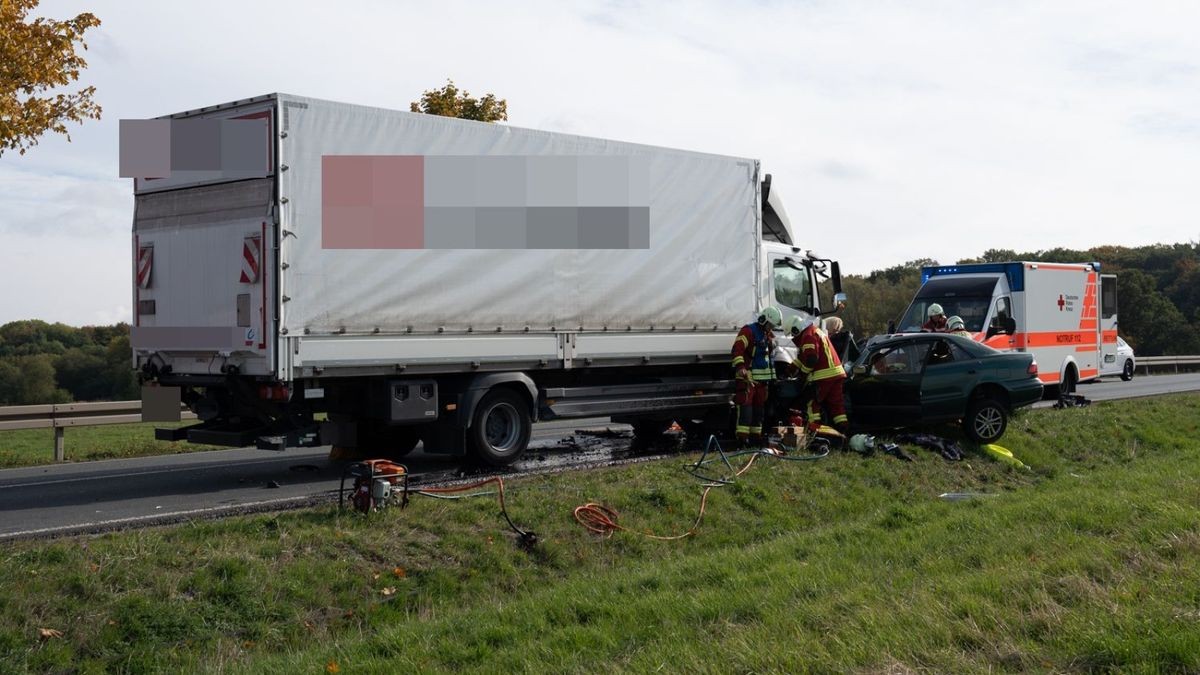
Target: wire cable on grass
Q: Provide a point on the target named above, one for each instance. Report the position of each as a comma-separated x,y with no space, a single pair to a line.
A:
603,520
528,538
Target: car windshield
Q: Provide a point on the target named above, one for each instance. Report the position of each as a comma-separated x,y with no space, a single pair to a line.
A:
966,297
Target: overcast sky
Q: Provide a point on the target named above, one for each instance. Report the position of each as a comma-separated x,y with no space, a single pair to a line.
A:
894,131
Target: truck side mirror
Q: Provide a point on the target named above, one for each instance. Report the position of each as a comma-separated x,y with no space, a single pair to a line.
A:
837,280
891,329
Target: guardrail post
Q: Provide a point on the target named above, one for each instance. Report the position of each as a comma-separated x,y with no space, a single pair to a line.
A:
60,450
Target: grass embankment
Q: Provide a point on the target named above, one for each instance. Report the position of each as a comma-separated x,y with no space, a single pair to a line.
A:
846,564
29,447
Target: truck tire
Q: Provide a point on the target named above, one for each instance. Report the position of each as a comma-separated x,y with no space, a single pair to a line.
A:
1127,371
986,420
500,428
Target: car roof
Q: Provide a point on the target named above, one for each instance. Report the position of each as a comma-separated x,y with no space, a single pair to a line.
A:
975,348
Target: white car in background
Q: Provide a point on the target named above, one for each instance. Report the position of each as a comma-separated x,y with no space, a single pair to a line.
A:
1123,364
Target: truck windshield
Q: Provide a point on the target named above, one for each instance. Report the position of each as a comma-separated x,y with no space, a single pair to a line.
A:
968,298
792,286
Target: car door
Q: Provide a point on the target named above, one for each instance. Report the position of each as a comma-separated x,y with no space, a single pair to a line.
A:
950,374
891,395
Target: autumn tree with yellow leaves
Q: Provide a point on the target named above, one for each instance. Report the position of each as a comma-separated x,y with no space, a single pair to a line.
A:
36,56
450,101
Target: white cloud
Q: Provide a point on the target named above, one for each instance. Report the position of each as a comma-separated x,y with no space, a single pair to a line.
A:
894,131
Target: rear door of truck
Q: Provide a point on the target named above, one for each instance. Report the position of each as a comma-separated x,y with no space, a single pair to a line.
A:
204,240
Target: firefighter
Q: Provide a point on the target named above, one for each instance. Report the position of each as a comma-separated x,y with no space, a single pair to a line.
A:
822,371
956,326
753,371
937,320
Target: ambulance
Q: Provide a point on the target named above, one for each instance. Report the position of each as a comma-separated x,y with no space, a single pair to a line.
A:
1063,314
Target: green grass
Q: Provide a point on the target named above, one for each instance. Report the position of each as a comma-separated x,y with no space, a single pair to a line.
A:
1087,562
29,447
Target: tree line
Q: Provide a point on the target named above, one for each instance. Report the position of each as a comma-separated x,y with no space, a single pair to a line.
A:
55,363
1158,292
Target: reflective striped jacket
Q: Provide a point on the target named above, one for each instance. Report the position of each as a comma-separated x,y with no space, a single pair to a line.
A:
752,348
818,360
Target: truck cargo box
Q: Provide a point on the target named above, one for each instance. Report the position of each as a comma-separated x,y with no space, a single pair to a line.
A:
417,239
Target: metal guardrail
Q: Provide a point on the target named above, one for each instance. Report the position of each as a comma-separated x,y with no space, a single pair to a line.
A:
59,416
1146,363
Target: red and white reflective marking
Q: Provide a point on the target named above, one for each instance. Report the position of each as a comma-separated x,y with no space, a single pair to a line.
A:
251,259
145,263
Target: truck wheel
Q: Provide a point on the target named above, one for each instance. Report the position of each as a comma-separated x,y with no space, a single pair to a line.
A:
986,420
500,428
1127,371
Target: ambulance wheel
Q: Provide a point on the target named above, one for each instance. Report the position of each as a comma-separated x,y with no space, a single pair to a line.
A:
1127,371
1070,378
986,420
500,428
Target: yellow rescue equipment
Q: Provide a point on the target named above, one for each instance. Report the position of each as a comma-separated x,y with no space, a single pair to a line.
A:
1004,455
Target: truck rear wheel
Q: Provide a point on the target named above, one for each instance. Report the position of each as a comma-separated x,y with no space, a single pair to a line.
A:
500,428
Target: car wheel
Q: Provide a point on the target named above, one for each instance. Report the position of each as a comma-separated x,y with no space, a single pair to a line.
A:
986,420
1127,371
500,428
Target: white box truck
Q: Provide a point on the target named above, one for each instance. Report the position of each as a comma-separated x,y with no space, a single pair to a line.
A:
1064,314
416,277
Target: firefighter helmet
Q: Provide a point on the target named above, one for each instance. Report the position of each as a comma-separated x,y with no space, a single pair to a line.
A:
955,323
935,309
798,323
771,315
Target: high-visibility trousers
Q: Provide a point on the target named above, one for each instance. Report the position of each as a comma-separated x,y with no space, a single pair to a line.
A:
751,400
829,396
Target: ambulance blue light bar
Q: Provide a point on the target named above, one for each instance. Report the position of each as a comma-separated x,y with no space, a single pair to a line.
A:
1015,272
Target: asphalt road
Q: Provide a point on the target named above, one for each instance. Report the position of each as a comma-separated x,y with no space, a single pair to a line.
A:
94,496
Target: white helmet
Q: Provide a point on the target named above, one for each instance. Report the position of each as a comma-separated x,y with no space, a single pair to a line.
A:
798,323
771,315
935,309
955,323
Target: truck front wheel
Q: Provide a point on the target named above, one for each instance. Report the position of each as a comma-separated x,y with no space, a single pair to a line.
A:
500,428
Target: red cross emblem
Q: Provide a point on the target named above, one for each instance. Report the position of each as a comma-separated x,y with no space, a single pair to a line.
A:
1061,302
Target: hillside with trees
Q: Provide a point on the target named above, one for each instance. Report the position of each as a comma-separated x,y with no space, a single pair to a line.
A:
1158,292
54,363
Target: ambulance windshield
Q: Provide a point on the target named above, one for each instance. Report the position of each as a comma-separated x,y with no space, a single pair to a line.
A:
965,297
